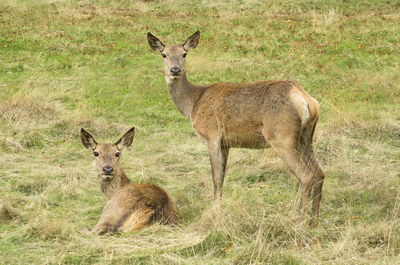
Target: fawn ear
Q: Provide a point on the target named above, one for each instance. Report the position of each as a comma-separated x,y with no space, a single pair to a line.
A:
87,140
126,140
192,41
154,42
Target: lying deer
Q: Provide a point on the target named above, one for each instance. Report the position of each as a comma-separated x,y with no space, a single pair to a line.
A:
130,206
277,114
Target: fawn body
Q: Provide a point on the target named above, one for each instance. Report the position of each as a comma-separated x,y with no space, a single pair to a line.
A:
277,114
129,206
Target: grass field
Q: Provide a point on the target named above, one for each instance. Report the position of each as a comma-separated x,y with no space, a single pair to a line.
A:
71,64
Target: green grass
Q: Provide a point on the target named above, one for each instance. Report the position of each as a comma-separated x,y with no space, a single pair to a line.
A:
71,64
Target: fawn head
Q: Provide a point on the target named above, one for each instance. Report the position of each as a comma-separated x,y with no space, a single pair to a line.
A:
174,56
107,155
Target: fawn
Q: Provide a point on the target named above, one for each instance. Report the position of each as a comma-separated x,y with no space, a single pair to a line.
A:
130,206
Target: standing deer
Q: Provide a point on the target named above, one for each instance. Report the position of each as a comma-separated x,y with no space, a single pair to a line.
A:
130,206
277,114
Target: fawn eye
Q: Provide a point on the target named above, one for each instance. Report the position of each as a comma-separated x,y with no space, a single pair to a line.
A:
163,55
184,55
117,153
95,153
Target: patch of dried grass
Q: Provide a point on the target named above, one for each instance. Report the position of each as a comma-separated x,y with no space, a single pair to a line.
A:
45,227
8,211
324,22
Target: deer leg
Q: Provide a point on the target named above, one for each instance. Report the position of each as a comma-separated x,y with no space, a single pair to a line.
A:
108,222
138,219
293,161
305,145
103,227
317,191
218,155
310,160
286,148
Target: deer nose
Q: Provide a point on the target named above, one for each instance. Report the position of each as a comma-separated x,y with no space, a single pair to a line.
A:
175,70
107,169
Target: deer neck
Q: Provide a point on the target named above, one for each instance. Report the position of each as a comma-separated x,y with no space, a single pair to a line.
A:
184,94
109,187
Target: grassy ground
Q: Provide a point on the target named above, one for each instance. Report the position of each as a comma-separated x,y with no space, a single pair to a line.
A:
71,64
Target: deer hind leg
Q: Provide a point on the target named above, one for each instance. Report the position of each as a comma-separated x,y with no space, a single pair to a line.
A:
317,191
218,155
286,148
305,145
137,220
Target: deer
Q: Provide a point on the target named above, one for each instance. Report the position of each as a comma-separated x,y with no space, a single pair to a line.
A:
130,206
277,114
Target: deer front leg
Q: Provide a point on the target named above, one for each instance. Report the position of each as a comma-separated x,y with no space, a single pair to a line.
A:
218,157
102,228
108,222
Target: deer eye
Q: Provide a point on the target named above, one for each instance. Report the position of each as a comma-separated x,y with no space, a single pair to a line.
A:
95,153
184,55
117,153
163,55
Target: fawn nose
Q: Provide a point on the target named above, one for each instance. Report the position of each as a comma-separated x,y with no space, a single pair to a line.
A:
107,169
175,70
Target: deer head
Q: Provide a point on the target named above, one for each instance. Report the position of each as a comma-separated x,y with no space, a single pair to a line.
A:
107,155
174,56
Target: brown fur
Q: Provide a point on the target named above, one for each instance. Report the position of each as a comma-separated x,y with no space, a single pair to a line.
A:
130,206
277,114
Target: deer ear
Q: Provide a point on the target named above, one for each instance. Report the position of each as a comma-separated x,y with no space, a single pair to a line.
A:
192,41
126,140
87,140
154,42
